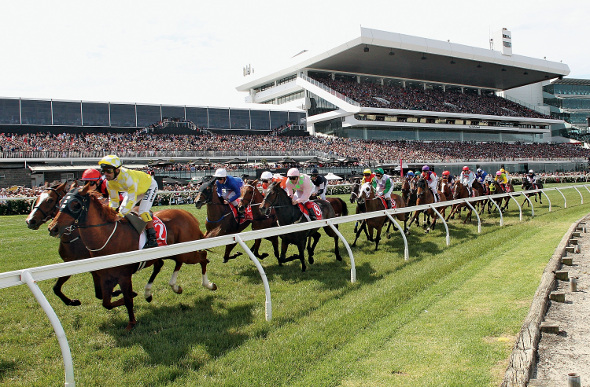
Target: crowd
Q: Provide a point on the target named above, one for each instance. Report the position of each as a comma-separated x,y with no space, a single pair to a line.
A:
412,98
365,151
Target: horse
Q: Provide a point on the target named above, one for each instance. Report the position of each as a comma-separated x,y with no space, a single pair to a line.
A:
460,191
71,248
496,188
372,202
527,185
360,208
220,217
288,213
251,197
103,233
425,196
445,187
339,206
409,191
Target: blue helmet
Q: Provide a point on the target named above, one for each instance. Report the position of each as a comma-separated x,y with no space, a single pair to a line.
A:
410,173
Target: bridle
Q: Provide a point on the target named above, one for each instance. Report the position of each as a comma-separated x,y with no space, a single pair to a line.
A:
53,211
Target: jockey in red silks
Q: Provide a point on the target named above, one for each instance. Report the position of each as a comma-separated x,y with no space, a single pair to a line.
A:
432,181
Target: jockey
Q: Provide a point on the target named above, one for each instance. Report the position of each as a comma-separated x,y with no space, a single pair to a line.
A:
532,178
506,174
432,181
481,175
410,175
450,179
368,176
137,185
319,184
228,187
467,178
97,181
265,179
501,179
382,185
299,187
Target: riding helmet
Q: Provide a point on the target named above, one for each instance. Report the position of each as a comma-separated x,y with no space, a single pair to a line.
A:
426,168
221,172
446,173
367,171
293,172
466,168
266,175
314,171
91,174
110,160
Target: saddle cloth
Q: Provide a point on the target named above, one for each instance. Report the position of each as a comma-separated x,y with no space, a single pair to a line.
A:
393,203
311,206
161,233
247,214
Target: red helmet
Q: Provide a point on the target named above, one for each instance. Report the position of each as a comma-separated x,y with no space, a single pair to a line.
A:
446,173
91,174
466,168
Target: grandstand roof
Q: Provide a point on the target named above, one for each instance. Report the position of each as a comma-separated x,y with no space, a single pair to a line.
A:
572,81
424,59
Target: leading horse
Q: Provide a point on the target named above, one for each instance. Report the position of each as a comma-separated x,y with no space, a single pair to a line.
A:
221,220
103,233
527,185
288,213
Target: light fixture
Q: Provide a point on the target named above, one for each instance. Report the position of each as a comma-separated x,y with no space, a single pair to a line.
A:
479,65
423,57
391,52
452,61
525,73
366,49
503,69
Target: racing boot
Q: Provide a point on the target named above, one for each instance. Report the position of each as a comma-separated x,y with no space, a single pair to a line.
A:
152,239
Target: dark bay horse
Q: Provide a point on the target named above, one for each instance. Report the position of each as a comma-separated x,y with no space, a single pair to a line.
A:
372,202
220,217
287,213
251,197
339,206
71,247
496,188
360,208
409,191
425,196
103,234
527,185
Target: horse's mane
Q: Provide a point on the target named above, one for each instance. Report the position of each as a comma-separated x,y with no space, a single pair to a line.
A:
206,184
107,212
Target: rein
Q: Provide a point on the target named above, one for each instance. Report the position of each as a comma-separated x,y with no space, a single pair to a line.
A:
109,238
54,209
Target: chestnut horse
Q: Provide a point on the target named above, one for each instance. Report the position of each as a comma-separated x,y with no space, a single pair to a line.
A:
103,234
287,213
251,197
71,247
460,191
220,218
372,202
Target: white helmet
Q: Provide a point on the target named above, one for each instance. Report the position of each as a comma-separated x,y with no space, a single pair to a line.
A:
266,175
531,171
221,172
479,170
293,172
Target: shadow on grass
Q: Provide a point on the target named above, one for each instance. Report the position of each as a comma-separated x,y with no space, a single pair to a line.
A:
5,367
168,334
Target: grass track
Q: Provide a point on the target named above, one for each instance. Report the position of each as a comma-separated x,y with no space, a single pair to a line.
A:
448,316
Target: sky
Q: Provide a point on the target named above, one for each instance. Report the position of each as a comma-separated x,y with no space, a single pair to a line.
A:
193,52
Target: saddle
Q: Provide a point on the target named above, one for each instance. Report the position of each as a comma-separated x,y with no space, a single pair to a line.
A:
159,227
241,219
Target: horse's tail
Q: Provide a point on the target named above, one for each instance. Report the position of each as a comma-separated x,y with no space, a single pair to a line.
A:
344,207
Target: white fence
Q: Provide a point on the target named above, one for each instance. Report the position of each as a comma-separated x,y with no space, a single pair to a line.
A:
31,276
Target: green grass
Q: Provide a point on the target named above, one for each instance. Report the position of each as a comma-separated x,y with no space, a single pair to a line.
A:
448,316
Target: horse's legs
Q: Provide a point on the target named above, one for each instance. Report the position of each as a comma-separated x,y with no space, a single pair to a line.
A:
301,249
97,286
377,237
332,234
147,291
127,289
311,246
255,248
228,249
275,245
204,280
57,290
173,285
284,248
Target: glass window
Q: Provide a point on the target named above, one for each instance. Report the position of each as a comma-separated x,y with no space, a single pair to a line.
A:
95,114
123,115
67,113
147,115
219,118
173,112
260,119
480,136
439,135
198,116
240,119
278,119
9,111
297,117
36,112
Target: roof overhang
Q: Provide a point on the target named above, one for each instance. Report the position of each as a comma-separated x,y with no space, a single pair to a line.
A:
71,168
389,54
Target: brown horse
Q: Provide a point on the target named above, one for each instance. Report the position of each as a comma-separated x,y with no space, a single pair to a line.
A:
251,197
103,234
425,196
287,213
71,247
496,188
372,202
409,191
339,206
460,191
360,208
220,218
445,187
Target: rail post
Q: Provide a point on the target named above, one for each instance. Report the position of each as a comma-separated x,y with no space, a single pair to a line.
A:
345,242
406,251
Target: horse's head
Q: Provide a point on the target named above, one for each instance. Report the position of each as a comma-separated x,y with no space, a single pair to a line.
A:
205,194
420,187
46,205
247,194
366,192
457,190
354,191
275,196
72,212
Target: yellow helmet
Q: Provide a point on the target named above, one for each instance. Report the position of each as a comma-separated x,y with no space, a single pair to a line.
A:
367,171
502,170
111,160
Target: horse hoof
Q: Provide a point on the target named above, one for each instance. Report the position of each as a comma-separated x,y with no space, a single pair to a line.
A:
149,299
115,293
311,260
74,303
213,286
179,290
263,255
130,326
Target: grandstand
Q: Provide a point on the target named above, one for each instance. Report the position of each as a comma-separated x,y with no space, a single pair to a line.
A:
384,85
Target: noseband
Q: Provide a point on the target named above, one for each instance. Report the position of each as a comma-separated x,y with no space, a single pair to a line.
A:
50,215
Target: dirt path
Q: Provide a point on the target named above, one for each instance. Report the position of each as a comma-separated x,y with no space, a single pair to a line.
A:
569,350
